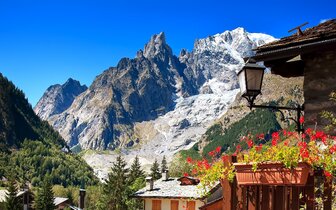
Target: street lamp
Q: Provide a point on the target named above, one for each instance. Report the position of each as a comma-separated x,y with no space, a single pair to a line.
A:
250,79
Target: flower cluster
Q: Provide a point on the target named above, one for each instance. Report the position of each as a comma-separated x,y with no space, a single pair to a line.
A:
211,171
316,148
313,147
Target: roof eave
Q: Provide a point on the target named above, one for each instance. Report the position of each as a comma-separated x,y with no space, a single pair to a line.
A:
295,50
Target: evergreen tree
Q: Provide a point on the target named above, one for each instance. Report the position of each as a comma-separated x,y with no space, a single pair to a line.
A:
135,170
45,196
136,182
164,166
12,202
116,188
155,170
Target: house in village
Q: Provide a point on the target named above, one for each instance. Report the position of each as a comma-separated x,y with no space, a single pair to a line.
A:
310,53
61,203
3,196
175,194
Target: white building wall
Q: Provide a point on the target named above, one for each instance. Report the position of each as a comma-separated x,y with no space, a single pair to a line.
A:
165,204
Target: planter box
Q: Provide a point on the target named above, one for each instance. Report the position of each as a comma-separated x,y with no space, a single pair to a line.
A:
272,174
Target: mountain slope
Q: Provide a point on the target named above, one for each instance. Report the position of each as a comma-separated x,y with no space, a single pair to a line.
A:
30,148
136,90
58,98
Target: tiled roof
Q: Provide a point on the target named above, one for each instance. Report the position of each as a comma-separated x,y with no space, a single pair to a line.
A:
3,195
321,32
59,200
171,188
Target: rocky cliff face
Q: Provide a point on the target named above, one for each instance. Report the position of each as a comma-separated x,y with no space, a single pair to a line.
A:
158,103
136,90
58,98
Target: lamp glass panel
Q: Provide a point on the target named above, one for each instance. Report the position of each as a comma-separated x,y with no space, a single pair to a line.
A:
254,79
242,82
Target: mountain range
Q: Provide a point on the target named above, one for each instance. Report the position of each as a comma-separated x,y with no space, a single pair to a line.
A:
156,103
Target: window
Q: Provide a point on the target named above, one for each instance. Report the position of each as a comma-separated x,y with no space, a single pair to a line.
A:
174,205
191,205
156,204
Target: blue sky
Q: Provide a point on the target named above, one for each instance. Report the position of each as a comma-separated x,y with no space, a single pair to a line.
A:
44,42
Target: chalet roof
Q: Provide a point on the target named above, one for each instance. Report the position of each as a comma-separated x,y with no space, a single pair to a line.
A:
3,195
60,200
321,32
171,188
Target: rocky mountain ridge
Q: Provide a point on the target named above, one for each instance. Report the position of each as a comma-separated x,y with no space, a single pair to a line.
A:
158,103
57,98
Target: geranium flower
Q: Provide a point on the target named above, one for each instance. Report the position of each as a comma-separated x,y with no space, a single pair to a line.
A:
189,159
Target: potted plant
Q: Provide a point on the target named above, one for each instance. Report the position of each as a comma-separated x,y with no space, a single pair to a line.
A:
288,160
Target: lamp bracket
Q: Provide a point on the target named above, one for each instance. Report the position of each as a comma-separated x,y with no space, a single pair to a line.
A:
299,109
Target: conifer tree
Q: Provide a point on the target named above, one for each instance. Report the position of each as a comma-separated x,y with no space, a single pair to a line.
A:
12,201
116,187
136,182
164,166
155,170
45,196
135,170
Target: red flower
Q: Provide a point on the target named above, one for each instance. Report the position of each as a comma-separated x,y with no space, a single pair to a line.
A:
327,173
319,134
250,143
275,136
225,158
189,159
308,131
274,142
302,144
301,120
261,136
211,153
284,132
218,149
332,149
304,153
259,148
185,174
286,143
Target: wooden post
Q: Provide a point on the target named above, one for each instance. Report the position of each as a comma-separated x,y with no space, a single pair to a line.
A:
327,194
309,191
253,198
294,199
279,201
265,202
230,190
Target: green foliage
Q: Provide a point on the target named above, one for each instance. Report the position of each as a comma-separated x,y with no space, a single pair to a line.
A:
45,196
35,160
116,188
193,152
12,202
135,170
256,122
31,147
155,170
330,116
164,166
179,166
18,120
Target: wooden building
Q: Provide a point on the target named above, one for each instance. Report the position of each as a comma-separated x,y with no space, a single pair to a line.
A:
310,53
174,194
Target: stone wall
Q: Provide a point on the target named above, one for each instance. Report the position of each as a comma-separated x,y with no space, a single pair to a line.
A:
319,82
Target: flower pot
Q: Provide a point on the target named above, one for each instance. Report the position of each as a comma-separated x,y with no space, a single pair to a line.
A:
272,174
